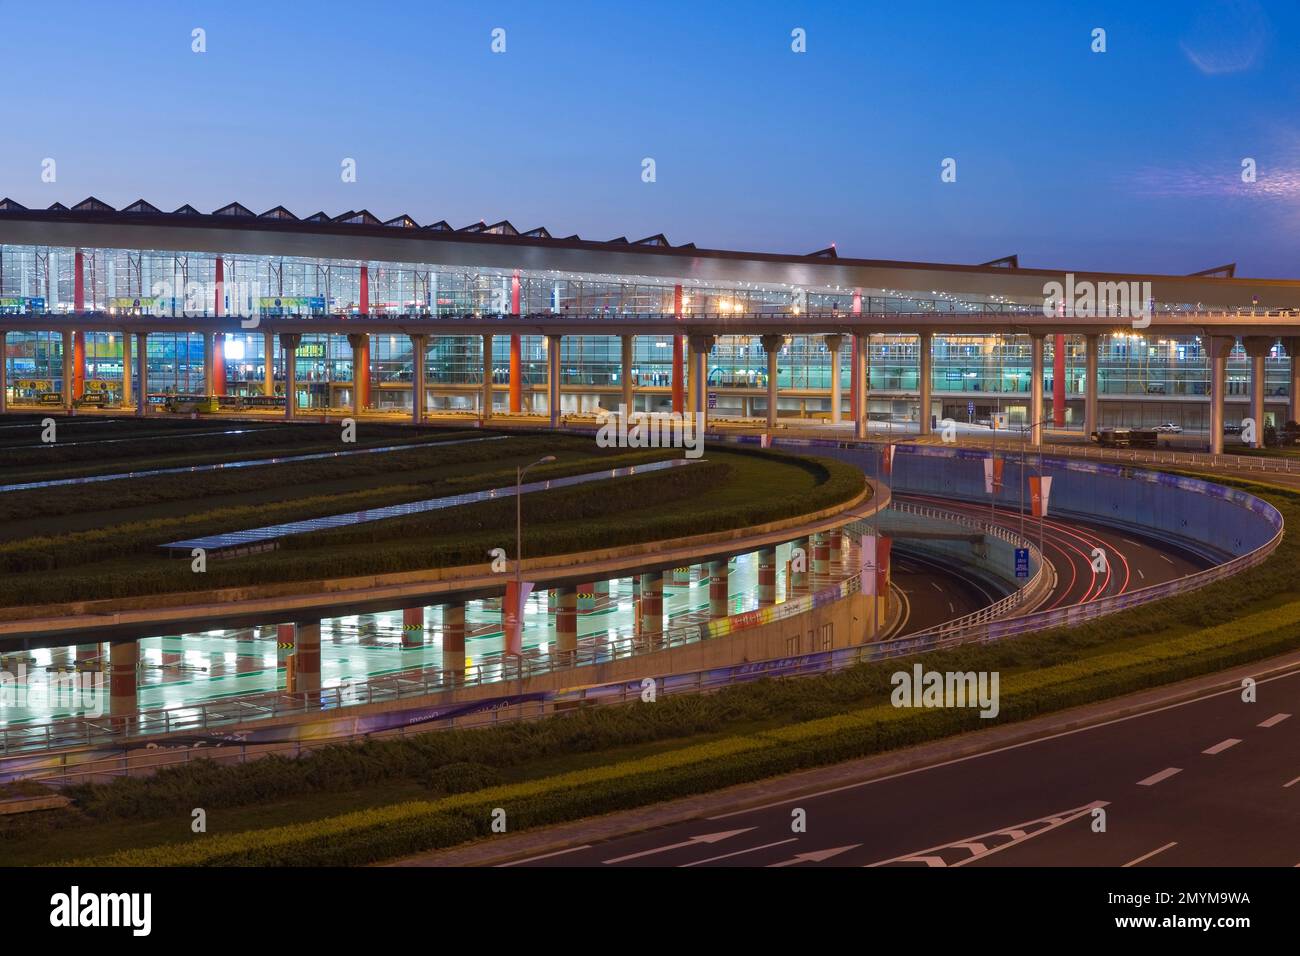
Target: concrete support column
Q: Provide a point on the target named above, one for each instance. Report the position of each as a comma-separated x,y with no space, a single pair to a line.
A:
125,401
268,376
418,386
553,378
1292,346
678,396
772,345
1090,420
799,579
123,660
625,379
364,305
1257,347
719,604
412,627
833,344
289,350
701,346
1036,389
78,364
142,373
861,384
652,603
925,378
306,657
767,577
4,372
1058,381
488,390
453,638
209,363
566,624
516,375
1218,347
360,343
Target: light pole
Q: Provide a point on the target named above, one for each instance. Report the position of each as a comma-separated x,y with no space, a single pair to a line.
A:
1024,433
519,541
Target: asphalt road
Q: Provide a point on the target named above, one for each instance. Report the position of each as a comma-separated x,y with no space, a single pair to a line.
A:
1210,782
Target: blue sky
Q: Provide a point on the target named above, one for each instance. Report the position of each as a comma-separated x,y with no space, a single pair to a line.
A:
1126,160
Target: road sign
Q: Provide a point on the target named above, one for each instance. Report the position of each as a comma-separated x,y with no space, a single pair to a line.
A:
1022,562
713,400
970,409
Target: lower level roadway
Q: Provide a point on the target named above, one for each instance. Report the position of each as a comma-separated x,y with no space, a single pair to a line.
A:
1212,781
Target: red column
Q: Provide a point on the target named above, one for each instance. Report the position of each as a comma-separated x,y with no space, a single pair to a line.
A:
514,294
365,290
453,639
219,363
1058,381
79,283
361,368
718,589
679,395
767,576
566,623
124,659
78,364
219,295
412,627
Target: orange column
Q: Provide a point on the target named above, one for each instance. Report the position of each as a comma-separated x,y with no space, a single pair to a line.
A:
516,348
219,294
78,364
219,363
365,290
1058,381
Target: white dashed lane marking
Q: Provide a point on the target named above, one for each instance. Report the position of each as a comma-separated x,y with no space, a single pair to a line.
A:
1221,746
1155,778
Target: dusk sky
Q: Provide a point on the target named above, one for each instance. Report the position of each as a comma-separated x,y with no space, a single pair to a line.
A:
1128,160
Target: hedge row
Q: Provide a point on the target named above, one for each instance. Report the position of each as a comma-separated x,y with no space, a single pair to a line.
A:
143,491
623,511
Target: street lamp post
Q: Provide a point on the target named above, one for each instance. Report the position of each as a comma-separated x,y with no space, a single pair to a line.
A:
519,540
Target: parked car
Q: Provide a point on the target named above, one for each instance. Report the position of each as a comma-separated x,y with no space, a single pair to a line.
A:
1169,428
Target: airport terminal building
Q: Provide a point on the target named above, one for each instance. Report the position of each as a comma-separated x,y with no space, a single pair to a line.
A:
350,311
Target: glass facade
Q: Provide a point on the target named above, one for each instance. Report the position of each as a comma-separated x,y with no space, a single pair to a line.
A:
1142,378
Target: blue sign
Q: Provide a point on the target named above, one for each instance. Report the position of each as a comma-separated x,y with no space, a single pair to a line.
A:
713,399
970,409
1022,562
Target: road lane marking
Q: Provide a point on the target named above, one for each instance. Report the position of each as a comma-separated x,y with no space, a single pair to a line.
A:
705,838
546,856
977,846
1147,856
815,856
935,585
1141,575
1166,557
1221,746
752,849
857,784
1273,721
1291,783
1155,778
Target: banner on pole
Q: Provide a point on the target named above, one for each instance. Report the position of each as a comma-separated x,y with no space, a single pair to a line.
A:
1040,490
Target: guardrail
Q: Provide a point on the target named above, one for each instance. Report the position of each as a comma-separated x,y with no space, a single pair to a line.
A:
1264,464
1029,595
